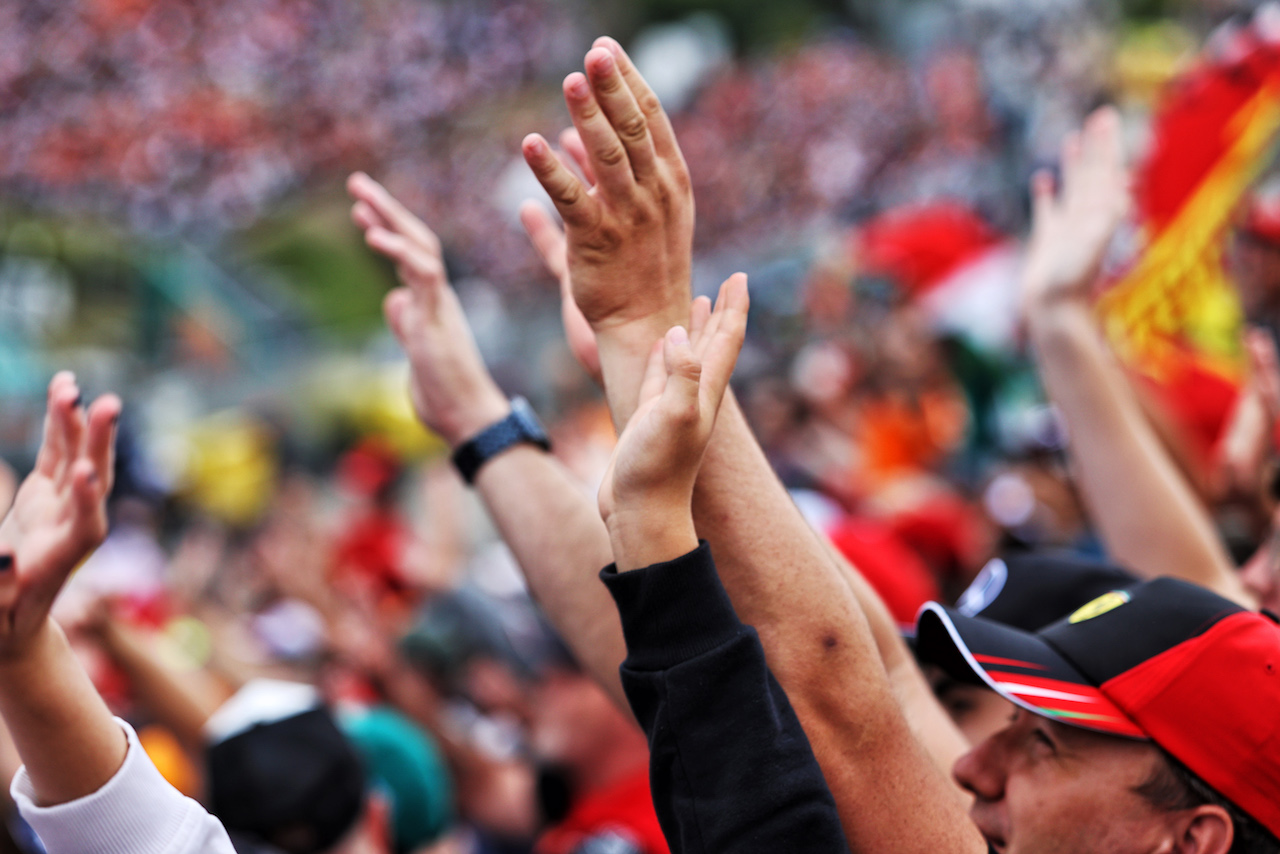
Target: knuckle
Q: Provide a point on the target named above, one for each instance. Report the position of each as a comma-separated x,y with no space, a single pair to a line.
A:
649,104
611,155
634,127
425,267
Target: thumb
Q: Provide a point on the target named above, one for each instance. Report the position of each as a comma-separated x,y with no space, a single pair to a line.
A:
684,374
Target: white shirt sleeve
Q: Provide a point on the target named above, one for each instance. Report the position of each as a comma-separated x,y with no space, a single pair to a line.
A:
135,812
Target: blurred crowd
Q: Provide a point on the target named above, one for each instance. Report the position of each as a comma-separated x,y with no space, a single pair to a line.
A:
885,375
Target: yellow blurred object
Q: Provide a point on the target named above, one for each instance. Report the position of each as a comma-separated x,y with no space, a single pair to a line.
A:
231,468
190,643
1149,57
374,400
1179,296
170,759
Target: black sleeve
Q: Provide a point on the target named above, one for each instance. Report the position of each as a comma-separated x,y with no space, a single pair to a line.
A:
730,768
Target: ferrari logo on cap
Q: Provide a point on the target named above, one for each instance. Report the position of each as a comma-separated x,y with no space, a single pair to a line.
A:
1102,605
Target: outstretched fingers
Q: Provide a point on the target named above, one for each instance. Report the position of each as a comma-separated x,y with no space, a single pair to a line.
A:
571,144
53,454
720,354
394,214
681,396
660,129
605,151
567,192
100,443
622,111
547,239
419,268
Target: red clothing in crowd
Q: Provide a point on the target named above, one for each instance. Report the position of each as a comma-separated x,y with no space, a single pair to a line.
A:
618,818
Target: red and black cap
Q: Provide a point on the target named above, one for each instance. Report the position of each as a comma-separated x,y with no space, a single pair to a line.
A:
1162,660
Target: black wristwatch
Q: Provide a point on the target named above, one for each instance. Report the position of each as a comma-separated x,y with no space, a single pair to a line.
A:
520,427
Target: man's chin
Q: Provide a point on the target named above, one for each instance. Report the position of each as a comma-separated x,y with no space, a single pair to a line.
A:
991,831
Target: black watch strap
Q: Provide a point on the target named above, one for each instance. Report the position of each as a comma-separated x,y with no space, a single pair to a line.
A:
521,426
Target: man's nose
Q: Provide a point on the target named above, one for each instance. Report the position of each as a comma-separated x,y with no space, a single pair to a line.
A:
981,770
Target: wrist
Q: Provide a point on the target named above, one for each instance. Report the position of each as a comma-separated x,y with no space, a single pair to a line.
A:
1052,314
467,421
27,658
639,333
644,533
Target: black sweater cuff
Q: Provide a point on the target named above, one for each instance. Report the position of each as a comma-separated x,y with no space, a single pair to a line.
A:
673,611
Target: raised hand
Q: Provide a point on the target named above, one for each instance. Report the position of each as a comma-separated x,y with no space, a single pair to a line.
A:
629,224
59,513
648,488
549,240
452,390
1072,228
1250,435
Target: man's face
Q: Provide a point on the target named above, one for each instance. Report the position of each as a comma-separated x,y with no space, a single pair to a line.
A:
1044,788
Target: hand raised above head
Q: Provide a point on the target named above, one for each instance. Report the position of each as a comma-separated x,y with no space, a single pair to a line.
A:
656,462
59,514
629,224
1072,228
452,390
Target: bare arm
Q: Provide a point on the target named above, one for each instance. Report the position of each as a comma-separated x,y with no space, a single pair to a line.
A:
181,702
777,572
1146,511
927,718
550,524
560,542
65,735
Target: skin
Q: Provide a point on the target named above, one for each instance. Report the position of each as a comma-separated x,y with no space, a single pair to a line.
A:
772,563
977,712
1040,786
63,731
1148,514
623,264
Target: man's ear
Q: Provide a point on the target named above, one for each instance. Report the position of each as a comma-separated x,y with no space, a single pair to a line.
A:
1205,829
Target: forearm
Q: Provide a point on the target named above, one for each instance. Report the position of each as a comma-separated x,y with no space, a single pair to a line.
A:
181,702
624,351
926,717
715,717
819,643
554,530
64,733
1146,512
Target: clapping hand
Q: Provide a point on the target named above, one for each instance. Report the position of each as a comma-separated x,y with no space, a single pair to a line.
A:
647,492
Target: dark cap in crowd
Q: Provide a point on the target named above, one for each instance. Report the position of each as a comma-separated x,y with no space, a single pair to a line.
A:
1162,660
1030,590
280,769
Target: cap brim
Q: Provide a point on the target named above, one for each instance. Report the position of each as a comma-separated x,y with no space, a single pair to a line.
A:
1019,666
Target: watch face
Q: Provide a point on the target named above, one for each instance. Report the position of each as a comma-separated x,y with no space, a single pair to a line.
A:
528,421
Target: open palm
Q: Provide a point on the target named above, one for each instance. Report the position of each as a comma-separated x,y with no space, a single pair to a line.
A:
59,512
659,453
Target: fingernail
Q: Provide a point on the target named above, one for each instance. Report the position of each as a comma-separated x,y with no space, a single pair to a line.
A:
578,87
679,335
605,64
6,563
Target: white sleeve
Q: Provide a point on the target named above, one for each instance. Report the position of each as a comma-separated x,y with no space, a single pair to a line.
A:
135,812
